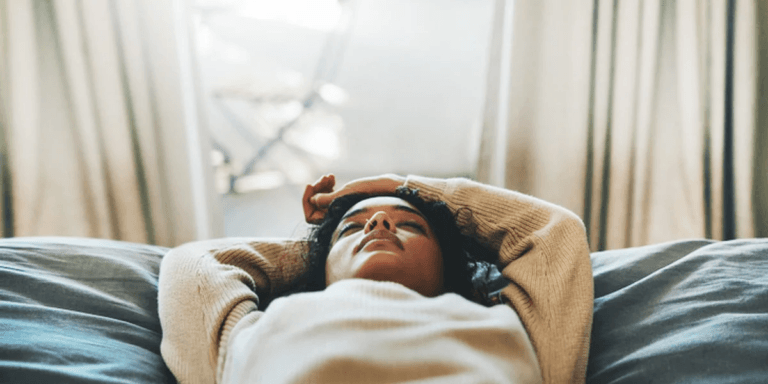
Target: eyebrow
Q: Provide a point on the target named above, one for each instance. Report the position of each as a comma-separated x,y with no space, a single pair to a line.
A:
397,207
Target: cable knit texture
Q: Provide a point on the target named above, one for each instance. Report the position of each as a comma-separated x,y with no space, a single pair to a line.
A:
212,329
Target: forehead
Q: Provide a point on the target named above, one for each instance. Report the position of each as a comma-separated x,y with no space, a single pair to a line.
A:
381,202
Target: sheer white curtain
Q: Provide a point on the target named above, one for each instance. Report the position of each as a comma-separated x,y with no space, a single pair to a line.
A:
100,126
648,118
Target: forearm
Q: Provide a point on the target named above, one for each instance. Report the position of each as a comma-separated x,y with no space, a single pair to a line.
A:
206,287
543,251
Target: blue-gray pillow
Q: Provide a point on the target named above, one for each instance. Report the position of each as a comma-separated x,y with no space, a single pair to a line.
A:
681,312
76,310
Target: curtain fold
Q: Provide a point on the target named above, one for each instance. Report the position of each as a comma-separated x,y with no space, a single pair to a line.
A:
646,118
100,124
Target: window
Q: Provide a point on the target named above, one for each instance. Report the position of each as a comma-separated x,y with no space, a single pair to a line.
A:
299,88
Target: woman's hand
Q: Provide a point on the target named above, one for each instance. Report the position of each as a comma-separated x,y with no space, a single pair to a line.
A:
319,196
314,213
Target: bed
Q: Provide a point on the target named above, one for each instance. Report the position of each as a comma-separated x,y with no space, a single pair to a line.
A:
75,310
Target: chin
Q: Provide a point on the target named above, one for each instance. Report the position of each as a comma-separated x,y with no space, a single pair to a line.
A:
381,266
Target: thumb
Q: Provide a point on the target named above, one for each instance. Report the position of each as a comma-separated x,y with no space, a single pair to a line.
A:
322,199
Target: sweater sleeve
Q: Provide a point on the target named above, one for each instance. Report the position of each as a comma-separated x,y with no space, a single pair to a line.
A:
542,250
205,288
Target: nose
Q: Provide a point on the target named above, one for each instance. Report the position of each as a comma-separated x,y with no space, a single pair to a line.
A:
379,220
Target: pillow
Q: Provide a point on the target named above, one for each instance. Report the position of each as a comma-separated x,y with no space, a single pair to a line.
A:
688,311
80,311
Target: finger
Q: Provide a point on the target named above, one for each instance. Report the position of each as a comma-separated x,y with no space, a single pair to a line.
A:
308,207
323,179
323,199
326,184
317,218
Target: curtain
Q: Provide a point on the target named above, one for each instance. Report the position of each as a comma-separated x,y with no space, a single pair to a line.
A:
100,130
647,118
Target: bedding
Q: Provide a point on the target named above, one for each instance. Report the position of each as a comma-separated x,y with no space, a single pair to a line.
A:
681,312
80,310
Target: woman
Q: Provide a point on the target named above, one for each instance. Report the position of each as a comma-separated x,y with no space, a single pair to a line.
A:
388,312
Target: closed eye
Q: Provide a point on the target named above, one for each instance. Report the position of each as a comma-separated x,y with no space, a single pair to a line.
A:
349,227
413,225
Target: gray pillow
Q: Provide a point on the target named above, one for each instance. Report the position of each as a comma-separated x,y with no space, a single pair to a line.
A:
681,312
78,310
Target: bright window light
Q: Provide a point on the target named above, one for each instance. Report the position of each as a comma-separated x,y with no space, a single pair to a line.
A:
321,15
321,139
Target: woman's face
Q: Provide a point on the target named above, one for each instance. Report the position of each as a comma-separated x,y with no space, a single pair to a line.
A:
386,239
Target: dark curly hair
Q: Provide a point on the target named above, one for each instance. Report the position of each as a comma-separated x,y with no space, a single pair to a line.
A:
466,265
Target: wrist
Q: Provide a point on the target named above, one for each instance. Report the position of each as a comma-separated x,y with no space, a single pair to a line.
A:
430,188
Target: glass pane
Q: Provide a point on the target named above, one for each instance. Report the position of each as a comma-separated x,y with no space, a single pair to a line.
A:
299,88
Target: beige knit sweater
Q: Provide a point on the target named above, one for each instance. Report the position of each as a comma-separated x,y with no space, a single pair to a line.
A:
209,290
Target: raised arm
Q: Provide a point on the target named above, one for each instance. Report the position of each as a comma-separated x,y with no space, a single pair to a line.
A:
543,251
207,287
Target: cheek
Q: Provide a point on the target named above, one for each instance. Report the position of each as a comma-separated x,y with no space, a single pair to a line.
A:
438,255
429,251
336,264
331,266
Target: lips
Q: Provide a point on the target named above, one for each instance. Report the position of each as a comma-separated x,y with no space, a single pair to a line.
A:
379,234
